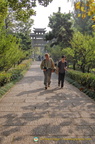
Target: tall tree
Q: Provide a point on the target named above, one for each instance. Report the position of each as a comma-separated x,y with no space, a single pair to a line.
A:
82,25
86,7
82,51
55,51
22,9
23,30
3,11
61,26
10,51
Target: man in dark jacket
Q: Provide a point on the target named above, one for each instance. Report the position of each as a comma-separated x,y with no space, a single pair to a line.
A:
62,67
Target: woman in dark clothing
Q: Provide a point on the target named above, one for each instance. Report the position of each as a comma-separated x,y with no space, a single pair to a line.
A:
62,67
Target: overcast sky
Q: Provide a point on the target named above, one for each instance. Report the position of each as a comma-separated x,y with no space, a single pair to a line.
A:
42,13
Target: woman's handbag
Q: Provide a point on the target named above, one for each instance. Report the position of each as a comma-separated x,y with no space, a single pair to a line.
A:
56,70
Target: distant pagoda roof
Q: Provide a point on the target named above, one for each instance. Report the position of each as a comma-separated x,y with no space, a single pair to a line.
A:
39,29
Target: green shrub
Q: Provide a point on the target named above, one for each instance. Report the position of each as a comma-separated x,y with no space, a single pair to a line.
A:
14,73
22,66
85,79
89,92
5,78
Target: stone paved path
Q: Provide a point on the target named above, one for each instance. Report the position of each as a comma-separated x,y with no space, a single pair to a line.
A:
55,116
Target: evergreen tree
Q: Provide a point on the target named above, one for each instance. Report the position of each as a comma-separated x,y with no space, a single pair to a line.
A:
61,26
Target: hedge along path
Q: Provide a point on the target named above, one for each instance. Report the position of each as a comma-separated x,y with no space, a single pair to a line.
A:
8,86
62,115
85,79
9,78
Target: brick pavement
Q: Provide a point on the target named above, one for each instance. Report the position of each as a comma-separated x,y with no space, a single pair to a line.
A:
55,116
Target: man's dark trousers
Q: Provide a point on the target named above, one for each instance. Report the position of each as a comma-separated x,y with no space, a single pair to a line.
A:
61,77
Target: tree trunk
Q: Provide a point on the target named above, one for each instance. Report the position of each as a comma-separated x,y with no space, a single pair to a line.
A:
83,68
74,65
88,70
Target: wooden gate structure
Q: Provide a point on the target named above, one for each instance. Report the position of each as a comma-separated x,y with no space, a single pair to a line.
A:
38,37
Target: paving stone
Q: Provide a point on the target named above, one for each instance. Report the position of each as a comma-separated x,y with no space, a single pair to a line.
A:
64,114
55,139
86,114
75,130
6,131
34,130
16,108
84,121
6,140
82,130
93,128
34,100
12,99
6,104
24,140
93,139
88,131
83,108
29,111
19,114
85,140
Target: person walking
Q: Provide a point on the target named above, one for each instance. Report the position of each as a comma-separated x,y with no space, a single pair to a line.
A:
62,67
47,65
42,57
39,58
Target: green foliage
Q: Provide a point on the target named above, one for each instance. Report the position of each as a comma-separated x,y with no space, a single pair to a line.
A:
3,11
82,25
20,9
93,70
4,78
49,36
5,88
89,92
85,79
44,2
12,74
69,53
24,8
15,42
55,52
61,26
25,43
82,52
23,27
10,51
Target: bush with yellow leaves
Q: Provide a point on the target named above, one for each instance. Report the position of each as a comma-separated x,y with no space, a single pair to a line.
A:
87,8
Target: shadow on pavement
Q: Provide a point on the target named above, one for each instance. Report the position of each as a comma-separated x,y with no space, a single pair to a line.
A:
52,113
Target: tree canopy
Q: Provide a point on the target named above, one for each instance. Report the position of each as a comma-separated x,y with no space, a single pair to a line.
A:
82,25
61,26
87,8
82,52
